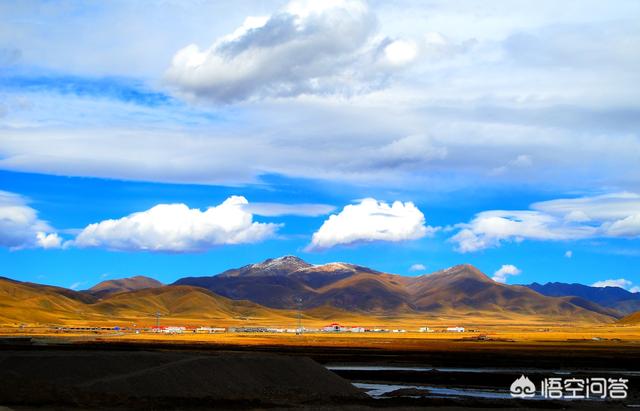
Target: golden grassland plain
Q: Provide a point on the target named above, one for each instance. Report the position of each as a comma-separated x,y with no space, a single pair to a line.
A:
314,318
506,333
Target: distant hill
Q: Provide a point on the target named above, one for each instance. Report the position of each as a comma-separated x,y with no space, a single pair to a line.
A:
33,303
613,297
464,288
364,291
108,287
270,292
276,282
30,303
631,319
460,289
181,302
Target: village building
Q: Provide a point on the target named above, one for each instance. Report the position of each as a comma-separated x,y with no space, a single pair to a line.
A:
209,330
335,327
169,330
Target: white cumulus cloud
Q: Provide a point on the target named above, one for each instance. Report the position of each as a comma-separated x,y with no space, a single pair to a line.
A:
609,215
400,52
619,282
417,267
51,240
505,271
302,48
20,226
371,220
307,47
568,254
625,227
178,228
490,228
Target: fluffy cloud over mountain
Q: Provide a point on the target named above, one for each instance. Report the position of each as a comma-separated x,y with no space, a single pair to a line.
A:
417,267
609,215
178,228
491,228
371,220
620,282
505,271
20,226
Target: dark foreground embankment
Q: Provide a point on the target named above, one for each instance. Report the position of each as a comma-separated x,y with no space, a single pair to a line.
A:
60,375
156,380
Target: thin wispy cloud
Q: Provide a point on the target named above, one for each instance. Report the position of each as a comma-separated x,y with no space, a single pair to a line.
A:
432,102
280,209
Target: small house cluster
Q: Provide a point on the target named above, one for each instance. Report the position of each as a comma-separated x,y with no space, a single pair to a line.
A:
455,329
329,328
335,327
169,330
269,330
210,330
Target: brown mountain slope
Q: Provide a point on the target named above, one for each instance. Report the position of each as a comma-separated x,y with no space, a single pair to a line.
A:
270,291
108,287
364,291
317,276
326,290
32,303
37,304
288,279
179,301
460,289
464,288
631,319
268,268
591,306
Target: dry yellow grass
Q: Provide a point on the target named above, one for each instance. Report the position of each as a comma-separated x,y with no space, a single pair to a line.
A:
507,335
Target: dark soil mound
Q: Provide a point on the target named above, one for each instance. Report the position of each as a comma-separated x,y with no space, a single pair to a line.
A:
86,378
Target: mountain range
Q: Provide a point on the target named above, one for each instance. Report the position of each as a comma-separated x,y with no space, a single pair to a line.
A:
288,281
109,287
613,297
274,290
30,303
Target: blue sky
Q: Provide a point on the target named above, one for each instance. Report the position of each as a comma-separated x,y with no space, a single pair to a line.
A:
184,138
